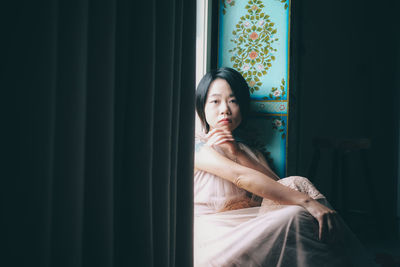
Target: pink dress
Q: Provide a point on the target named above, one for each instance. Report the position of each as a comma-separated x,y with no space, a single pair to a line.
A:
266,235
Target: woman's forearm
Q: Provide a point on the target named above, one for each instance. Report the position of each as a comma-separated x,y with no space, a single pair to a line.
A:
209,160
233,152
261,185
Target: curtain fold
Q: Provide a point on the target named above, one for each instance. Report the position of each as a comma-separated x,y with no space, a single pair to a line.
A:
100,141
185,153
66,197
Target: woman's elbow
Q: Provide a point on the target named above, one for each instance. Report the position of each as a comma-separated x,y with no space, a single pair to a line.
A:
241,181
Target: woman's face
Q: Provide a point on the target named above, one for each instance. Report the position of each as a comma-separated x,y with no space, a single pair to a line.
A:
221,108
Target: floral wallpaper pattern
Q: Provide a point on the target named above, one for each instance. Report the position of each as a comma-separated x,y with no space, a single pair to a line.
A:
225,3
254,39
278,93
279,125
286,3
270,108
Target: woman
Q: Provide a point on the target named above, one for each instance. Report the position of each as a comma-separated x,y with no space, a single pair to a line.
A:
293,226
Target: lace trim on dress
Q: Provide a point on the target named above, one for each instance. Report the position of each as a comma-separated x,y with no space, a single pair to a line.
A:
297,183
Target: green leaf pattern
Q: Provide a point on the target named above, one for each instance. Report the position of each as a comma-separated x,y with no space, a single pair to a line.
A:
286,3
253,38
278,93
225,3
279,125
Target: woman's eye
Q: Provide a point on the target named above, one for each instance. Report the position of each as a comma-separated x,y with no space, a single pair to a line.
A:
233,101
214,101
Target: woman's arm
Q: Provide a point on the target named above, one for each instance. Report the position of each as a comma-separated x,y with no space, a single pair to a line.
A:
209,160
223,138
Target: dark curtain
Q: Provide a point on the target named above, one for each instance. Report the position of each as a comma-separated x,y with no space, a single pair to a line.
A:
98,101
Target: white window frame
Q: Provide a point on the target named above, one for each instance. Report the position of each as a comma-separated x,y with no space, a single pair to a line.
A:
203,42
203,37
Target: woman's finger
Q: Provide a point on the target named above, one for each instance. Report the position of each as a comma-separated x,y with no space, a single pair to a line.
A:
211,133
224,140
219,136
329,227
330,223
216,130
216,138
326,235
324,217
321,228
324,228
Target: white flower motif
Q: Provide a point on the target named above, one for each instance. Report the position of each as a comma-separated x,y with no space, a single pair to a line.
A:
277,93
260,67
245,67
261,23
246,24
229,1
278,123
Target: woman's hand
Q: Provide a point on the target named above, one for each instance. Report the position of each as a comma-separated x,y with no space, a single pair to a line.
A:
223,138
218,136
326,219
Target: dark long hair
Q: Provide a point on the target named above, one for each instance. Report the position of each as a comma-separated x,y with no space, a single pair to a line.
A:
239,88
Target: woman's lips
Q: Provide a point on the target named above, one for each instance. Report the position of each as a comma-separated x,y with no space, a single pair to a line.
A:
225,121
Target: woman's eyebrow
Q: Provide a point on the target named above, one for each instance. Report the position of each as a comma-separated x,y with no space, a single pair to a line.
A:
231,95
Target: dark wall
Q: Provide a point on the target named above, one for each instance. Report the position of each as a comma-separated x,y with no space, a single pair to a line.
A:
346,81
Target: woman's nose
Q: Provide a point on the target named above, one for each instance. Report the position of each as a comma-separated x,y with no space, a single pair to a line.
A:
224,108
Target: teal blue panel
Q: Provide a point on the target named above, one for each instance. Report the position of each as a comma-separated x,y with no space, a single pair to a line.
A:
254,39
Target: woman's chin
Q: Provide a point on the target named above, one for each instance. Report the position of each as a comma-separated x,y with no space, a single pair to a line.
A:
227,126
230,127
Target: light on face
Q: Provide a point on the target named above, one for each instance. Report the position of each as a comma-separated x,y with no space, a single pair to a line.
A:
221,107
